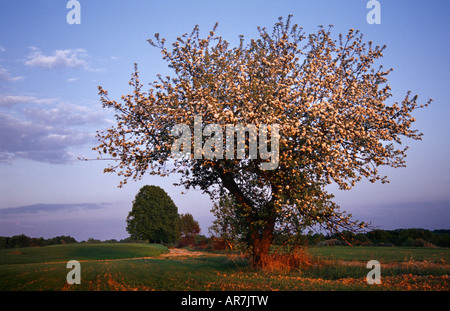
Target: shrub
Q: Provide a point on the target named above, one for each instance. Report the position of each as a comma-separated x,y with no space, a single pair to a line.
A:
420,243
200,240
331,242
219,244
296,259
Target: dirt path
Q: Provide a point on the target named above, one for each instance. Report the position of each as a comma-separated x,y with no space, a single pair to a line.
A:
179,252
173,253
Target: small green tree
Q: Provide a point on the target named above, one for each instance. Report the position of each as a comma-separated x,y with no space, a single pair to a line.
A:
4,242
189,228
229,224
19,241
154,216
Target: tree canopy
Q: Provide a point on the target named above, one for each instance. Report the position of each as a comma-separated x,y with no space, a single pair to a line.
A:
330,103
154,216
189,227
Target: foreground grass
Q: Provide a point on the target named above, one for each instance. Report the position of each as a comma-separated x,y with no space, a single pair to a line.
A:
335,272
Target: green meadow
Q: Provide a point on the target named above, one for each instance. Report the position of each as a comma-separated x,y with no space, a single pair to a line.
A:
130,267
79,251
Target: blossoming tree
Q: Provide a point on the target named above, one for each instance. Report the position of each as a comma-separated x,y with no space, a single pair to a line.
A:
335,125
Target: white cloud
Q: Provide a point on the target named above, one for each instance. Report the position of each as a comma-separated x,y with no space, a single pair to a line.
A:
2,49
65,114
11,100
37,141
72,79
45,130
71,58
6,76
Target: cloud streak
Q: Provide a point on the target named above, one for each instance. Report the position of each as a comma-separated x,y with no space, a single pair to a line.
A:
5,76
41,131
69,58
12,100
42,207
81,221
64,114
59,58
36,141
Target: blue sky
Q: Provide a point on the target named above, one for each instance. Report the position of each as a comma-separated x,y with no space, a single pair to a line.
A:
50,109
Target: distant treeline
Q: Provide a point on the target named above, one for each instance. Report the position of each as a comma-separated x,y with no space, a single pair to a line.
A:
24,241
399,237
415,237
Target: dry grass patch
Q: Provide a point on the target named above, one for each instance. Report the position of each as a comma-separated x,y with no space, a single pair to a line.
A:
296,260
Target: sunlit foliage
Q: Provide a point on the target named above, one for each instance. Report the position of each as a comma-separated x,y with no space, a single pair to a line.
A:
336,125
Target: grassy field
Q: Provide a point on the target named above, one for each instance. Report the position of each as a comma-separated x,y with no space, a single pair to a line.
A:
128,267
383,254
80,252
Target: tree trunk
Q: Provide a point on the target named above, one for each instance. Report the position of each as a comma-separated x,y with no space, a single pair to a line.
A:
260,237
260,249
261,240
